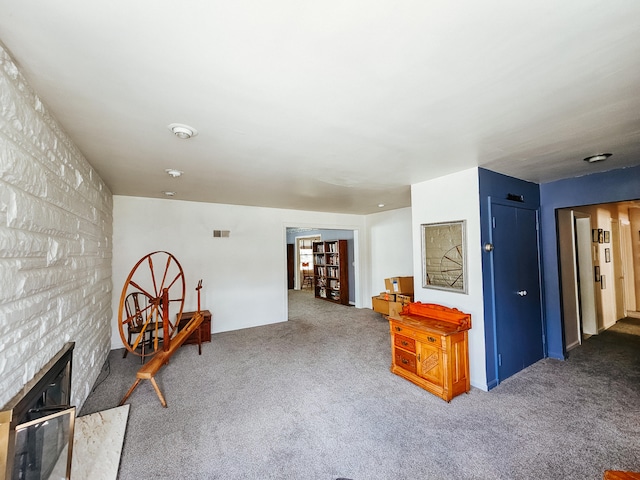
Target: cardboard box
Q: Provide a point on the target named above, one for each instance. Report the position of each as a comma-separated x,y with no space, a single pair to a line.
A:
380,306
389,297
399,285
385,307
395,308
404,299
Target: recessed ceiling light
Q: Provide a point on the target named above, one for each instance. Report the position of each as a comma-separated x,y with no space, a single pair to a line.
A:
169,194
182,131
173,172
381,205
597,158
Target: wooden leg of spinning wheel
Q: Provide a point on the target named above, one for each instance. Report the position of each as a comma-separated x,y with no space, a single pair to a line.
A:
124,355
133,387
158,392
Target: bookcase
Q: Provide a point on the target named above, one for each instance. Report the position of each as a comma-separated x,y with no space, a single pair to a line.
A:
330,271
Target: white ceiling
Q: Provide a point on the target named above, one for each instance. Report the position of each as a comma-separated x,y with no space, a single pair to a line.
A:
332,105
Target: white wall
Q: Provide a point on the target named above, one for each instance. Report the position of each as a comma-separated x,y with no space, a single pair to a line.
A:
438,201
244,276
55,245
390,247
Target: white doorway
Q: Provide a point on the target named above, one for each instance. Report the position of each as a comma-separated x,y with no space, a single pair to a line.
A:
304,262
584,256
627,271
577,270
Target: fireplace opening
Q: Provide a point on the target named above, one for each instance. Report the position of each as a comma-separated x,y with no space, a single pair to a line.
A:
36,426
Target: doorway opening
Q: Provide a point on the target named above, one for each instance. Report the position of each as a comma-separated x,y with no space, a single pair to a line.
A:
304,263
301,258
599,267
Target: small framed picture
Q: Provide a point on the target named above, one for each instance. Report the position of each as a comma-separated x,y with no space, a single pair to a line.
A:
600,235
594,235
607,236
596,273
607,255
603,283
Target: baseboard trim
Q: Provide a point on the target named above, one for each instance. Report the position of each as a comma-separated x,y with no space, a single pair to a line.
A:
556,355
492,384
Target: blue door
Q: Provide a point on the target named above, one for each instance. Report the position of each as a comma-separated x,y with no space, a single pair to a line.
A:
519,330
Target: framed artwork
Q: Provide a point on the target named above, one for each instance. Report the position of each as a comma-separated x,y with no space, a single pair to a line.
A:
600,235
603,283
594,235
596,273
607,255
444,260
607,236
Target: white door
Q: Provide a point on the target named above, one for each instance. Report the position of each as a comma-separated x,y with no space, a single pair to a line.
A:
626,261
569,279
588,314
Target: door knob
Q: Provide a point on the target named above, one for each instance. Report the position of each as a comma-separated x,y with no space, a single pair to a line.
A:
522,293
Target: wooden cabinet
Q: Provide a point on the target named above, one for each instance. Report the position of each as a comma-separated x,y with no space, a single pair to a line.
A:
430,347
330,271
205,327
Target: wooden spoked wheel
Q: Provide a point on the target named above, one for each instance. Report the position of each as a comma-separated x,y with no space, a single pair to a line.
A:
151,304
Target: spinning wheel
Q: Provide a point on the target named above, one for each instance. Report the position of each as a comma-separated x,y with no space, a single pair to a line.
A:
156,283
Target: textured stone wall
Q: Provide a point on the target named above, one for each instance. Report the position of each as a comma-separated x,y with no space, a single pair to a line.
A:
55,245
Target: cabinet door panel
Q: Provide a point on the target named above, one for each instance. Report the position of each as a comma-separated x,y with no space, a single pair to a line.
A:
430,364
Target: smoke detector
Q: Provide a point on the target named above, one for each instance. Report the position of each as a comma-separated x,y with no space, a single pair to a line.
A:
172,172
597,158
182,131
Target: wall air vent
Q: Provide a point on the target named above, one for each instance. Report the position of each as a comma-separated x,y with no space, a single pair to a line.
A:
515,197
221,233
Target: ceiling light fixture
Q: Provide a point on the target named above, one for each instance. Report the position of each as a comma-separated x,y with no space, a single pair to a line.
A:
182,131
172,172
380,205
169,194
597,158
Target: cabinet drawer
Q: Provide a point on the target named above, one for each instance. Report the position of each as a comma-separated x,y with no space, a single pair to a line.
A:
431,339
395,328
405,342
405,360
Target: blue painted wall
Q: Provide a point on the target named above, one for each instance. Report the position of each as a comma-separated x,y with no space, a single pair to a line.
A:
612,186
495,187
